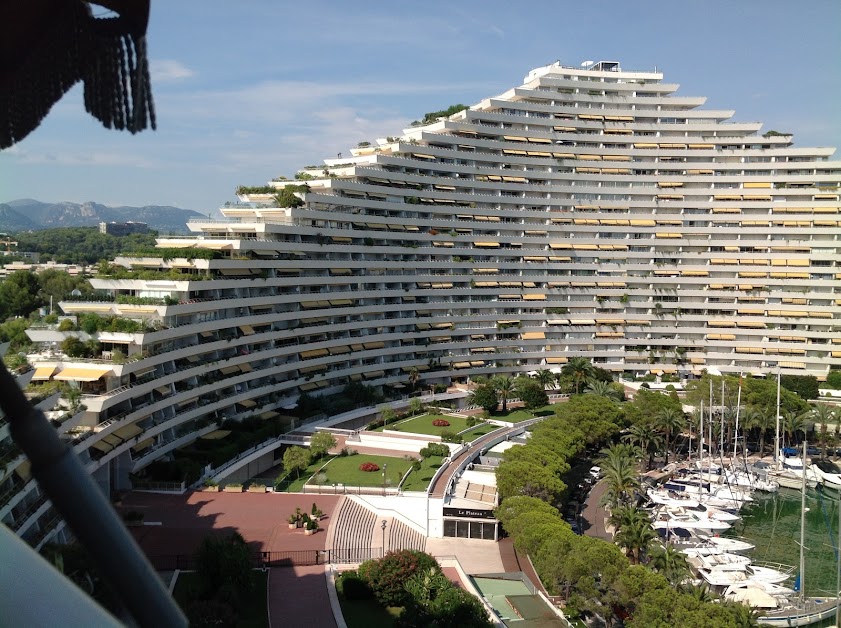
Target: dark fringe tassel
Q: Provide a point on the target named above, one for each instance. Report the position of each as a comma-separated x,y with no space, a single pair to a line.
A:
107,54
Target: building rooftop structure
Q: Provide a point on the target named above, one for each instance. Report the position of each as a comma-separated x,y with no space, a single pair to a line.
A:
587,212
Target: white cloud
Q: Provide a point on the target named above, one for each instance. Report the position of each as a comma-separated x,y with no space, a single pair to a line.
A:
168,70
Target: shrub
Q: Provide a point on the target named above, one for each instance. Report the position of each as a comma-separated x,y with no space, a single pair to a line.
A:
435,449
833,379
441,423
353,587
472,421
369,467
387,577
450,437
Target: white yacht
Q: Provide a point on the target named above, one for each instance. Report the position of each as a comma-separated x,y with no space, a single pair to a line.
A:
829,473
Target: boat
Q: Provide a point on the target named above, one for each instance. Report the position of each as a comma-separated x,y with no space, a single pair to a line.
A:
801,610
689,521
693,543
665,497
775,590
829,474
787,477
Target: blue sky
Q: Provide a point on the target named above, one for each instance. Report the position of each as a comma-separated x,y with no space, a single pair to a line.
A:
249,90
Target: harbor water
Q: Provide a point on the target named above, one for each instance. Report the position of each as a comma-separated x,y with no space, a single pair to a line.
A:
772,523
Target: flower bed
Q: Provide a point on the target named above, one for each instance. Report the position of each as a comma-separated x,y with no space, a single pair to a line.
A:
441,423
369,467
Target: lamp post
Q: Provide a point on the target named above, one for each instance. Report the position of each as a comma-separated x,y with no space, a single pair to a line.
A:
385,469
382,527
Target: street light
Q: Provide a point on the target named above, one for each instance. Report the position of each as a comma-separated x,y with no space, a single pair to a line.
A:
382,527
385,468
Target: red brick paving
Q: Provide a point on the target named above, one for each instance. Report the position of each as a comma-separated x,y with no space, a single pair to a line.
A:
298,597
259,517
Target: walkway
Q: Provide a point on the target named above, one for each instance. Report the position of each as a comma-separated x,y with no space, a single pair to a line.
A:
298,597
439,489
593,515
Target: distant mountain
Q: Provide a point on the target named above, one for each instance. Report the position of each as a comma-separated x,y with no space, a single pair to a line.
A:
29,214
11,221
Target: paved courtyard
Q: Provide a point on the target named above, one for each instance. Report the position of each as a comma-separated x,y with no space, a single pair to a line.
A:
259,517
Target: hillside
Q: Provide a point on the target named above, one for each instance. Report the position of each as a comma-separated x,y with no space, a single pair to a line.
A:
29,214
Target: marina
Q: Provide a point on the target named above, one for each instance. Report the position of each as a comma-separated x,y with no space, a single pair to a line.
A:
772,523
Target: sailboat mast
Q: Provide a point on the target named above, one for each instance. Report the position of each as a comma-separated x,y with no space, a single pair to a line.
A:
777,431
738,404
803,529
710,430
721,431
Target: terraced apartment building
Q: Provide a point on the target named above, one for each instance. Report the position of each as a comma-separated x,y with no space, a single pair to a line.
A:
589,212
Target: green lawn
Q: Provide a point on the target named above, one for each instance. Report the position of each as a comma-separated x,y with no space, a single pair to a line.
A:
252,611
513,416
419,480
423,425
366,613
479,430
345,470
296,485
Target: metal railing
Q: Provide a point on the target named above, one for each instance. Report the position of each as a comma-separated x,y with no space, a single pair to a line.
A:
263,560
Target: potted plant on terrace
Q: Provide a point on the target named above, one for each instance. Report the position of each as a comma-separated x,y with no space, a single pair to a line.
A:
292,520
312,527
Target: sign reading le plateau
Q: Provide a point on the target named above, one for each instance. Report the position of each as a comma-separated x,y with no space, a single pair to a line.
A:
468,512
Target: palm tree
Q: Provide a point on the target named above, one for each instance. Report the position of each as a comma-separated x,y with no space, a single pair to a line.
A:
763,420
621,475
580,369
671,563
670,421
545,378
793,423
647,439
700,593
601,389
414,376
503,385
743,616
822,414
623,515
635,539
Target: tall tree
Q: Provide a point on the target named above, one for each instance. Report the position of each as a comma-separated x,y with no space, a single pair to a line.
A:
602,389
545,378
504,386
635,538
647,439
670,422
580,369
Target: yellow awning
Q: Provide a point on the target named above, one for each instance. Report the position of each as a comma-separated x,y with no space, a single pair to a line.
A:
246,329
533,335
216,435
247,403
44,372
128,431
76,374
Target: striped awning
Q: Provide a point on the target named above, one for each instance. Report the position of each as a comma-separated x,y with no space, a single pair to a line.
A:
76,374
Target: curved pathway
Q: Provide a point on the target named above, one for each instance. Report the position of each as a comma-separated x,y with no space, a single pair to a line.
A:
439,488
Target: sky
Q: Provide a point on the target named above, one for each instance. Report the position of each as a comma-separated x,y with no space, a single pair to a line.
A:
250,90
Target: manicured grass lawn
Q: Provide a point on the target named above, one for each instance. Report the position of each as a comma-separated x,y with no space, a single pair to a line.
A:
345,470
297,485
252,611
366,613
479,430
419,480
423,424
513,416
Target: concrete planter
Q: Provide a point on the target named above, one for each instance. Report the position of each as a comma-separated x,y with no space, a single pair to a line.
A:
210,489
232,489
256,489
